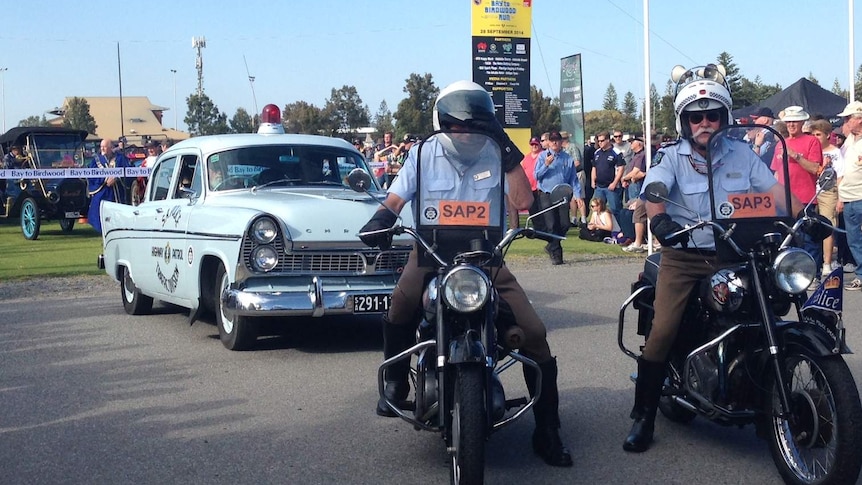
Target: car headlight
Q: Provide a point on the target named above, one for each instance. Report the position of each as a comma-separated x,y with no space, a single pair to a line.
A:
264,258
794,270
466,289
264,230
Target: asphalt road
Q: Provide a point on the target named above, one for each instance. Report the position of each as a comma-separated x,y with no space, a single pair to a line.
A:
91,395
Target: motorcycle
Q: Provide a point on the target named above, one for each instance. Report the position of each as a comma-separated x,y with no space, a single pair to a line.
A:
467,334
741,357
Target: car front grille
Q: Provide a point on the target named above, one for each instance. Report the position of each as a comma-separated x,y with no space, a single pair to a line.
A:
335,262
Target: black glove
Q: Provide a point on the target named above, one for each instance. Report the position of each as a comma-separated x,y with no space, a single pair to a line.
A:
382,219
509,152
662,226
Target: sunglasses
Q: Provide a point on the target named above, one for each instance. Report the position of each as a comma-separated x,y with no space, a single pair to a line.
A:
601,140
711,116
618,136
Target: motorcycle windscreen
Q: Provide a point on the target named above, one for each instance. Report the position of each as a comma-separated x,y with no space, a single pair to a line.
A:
744,190
459,204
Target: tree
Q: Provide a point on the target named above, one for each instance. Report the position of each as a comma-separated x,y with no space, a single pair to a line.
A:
78,116
203,117
731,75
383,119
414,112
302,117
610,101
242,122
836,89
344,111
546,112
857,87
34,120
812,78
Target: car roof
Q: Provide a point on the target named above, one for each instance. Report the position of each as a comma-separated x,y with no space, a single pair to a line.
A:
215,143
18,134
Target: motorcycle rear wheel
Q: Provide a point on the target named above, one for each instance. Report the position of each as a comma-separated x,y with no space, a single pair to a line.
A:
468,426
821,444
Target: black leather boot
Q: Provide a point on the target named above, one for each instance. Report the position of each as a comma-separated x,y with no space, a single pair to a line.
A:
546,438
396,338
648,386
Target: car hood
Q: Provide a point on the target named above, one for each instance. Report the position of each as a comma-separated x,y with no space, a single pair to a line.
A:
325,214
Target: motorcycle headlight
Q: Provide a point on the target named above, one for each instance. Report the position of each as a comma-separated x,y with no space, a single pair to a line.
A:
264,230
794,270
466,289
264,258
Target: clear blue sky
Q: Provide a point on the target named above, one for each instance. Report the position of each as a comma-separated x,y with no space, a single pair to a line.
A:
301,50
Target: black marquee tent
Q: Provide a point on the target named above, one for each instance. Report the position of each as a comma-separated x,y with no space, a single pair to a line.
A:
814,99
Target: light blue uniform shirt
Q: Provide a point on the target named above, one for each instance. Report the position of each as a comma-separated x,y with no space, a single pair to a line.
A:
736,170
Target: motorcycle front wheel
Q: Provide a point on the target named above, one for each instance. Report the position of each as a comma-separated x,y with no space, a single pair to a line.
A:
819,442
468,426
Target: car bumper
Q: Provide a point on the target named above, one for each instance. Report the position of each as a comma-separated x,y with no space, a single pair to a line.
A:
318,297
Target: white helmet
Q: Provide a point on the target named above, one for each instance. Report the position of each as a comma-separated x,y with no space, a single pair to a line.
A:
700,89
467,104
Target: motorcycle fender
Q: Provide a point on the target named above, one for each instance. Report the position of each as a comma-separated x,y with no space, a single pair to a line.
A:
466,348
813,339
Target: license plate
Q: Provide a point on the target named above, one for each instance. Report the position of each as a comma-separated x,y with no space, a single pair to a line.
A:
72,215
371,303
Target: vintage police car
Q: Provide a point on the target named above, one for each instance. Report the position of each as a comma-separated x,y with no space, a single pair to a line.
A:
247,226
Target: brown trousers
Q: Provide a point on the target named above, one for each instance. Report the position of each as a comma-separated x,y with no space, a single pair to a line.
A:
678,274
407,299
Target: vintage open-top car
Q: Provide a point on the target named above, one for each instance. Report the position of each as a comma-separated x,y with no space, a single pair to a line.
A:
247,226
33,187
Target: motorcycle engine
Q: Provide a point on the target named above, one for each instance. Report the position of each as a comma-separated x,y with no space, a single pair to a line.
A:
702,375
724,291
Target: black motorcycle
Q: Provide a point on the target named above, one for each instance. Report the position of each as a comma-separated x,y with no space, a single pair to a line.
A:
753,347
467,335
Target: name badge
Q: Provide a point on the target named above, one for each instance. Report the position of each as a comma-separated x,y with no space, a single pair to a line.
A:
481,175
734,175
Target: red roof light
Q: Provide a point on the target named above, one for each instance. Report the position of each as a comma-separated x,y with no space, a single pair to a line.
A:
271,114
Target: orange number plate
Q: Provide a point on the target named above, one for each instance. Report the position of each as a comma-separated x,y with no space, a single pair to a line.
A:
753,205
457,213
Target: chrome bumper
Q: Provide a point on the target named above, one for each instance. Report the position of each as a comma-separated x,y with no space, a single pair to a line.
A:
323,296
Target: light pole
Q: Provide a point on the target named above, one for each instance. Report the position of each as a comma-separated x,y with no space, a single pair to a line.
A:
3,94
174,71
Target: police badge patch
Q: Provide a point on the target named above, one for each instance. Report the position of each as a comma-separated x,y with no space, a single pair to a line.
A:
656,159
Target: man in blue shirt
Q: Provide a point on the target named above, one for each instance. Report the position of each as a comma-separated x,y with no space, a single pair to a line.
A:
462,170
553,167
607,173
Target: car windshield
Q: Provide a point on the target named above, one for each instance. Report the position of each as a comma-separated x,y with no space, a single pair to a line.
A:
280,166
57,150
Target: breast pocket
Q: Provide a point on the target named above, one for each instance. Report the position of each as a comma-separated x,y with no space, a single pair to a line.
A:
739,185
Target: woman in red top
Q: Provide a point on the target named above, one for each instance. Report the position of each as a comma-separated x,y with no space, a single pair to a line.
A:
804,156
529,164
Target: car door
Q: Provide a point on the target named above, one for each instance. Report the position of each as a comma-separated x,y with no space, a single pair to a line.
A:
152,269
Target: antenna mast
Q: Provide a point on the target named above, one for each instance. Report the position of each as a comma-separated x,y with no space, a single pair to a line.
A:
199,43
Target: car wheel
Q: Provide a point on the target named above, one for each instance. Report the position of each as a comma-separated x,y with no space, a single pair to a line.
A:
134,302
31,219
237,332
66,225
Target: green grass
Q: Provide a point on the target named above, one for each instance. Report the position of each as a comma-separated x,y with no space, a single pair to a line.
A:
59,254
53,254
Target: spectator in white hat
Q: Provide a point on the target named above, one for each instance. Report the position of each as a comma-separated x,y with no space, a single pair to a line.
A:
850,188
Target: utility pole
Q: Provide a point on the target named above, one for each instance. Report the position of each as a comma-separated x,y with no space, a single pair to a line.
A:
3,93
174,71
251,83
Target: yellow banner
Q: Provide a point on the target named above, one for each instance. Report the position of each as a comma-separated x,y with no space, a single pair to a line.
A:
502,18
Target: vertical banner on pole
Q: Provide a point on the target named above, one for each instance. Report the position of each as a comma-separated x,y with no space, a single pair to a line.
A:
571,99
501,61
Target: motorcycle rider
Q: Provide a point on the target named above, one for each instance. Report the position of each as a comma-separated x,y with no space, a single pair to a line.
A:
702,105
461,106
